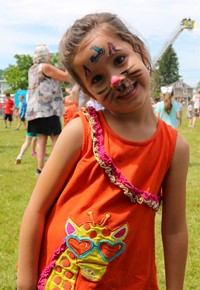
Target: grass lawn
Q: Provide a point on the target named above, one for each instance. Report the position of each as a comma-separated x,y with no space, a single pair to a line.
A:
17,182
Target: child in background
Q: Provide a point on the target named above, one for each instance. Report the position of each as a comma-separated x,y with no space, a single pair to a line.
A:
168,109
190,114
90,221
22,112
70,105
8,110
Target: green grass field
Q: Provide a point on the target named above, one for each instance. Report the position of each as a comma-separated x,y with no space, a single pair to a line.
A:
17,182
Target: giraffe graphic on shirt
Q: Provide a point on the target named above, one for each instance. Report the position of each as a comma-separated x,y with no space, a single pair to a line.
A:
87,250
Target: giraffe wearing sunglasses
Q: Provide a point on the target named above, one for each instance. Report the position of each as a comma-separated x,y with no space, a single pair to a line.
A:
86,250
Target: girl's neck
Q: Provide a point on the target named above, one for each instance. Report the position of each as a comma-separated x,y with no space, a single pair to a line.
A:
136,126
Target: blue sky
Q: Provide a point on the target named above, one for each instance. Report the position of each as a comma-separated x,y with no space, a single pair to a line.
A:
27,23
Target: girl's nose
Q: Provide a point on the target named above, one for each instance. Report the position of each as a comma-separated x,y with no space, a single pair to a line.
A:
116,81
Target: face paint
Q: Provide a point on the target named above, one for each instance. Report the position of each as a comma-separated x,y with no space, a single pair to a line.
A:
106,96
100,51
122,87
127,70
87,71
115,81
136,73
111,48
102,91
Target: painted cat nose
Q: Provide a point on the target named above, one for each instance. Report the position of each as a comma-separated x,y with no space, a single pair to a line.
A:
115,81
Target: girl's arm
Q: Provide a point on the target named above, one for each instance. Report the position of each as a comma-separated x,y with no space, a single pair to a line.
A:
174,227
55,73
50,183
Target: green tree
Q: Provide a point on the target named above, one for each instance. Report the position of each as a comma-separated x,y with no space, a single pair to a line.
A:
55,60
169,67
1,72
155,83
17,75
198,86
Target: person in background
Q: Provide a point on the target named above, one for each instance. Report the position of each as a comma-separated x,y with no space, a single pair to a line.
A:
16,103
90,222
179,101
196,104
22,112
45,101
71,105
168,110
31,139
8,110
190,114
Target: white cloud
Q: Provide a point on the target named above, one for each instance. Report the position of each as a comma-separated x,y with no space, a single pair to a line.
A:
25,23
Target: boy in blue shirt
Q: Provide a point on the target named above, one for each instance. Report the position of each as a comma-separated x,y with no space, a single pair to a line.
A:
22,112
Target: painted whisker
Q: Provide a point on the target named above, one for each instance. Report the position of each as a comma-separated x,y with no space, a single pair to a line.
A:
106,96
102,91
127,70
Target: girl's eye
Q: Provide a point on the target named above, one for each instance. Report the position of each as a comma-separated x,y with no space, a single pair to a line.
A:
119,60
96,79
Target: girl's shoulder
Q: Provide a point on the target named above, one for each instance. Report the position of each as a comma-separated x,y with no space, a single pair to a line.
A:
181,149
78,129
73,133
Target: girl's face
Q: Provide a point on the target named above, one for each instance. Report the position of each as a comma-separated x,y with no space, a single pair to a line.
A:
113,73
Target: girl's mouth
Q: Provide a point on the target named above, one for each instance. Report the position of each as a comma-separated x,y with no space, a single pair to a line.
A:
127,91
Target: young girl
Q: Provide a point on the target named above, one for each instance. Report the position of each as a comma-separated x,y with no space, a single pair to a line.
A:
168,110
90,220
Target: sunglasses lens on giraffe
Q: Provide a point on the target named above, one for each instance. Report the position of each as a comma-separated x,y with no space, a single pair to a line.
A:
109,251
80,247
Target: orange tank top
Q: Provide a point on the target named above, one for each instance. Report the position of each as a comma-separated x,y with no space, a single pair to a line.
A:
100,232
